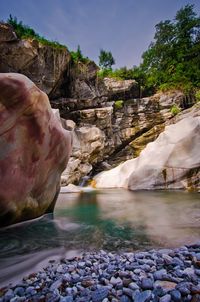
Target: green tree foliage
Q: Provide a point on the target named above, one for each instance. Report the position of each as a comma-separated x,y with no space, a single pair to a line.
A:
25,32
122,73
106,59
173,59
77,56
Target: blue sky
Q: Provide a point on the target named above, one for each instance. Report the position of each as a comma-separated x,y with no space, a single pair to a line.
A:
124,27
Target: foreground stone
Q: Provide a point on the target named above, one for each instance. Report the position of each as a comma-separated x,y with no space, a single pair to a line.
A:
34,150
167,275
172,161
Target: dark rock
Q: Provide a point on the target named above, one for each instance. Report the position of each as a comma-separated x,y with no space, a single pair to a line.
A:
19,291
184,288
128,292
195,289
99,294
166,298
147,283
126,282
125,299
143,296
176,295
43,64
159,291
159,275
56,284
7,33
195,298
133,286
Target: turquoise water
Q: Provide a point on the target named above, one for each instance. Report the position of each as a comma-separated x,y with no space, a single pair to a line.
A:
116,220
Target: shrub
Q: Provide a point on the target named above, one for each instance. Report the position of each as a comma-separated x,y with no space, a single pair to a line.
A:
119,74
104,73
119,104
25,32
175,109
77,56
197,96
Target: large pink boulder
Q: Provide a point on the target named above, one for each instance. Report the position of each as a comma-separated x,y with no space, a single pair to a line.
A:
34,150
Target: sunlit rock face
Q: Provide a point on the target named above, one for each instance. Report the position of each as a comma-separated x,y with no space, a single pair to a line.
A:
125,89
88,148
34,150
43,64
172,161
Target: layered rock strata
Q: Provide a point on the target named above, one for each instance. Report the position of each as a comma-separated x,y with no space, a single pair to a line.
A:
172,161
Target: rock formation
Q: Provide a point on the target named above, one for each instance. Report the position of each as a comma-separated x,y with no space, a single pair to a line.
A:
34,150
123,132
121,89
111,122
172,161
43,64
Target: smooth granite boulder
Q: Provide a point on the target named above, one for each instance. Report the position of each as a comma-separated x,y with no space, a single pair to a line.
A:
34,150
172,161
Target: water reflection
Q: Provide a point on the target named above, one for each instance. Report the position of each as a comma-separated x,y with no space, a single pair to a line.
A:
108,219
135,220
99,227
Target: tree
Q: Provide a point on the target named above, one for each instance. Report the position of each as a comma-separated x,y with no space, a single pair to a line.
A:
173,59
106,59
79,53
77,56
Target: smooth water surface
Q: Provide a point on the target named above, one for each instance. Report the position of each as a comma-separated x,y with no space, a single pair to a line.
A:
116,220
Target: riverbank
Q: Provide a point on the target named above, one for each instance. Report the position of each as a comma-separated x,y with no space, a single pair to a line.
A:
157,275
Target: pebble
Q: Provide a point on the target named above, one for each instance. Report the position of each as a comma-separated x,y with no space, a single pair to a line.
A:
114,281
147,283
99,294
143,296
176,295
128,292
183,288
165,285
133,286
165,298
60,269
165,275
125,299
19,291
66,299
160,274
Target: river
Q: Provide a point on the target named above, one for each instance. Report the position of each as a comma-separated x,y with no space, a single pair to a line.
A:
114,220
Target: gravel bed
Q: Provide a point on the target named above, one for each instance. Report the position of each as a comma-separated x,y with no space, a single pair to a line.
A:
158,275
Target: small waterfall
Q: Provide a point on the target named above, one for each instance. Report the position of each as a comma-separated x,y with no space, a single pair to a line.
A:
84,180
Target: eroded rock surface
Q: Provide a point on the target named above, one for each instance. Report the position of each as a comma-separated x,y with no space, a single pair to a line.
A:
172,161
124,89
88,149
34,150
43,64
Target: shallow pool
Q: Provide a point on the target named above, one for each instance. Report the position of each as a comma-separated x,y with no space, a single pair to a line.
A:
118,220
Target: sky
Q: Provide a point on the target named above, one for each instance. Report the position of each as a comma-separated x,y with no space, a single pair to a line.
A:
124,27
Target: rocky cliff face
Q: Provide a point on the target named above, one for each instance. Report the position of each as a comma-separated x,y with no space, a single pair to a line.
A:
109,120
43,64
172,161
122,132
